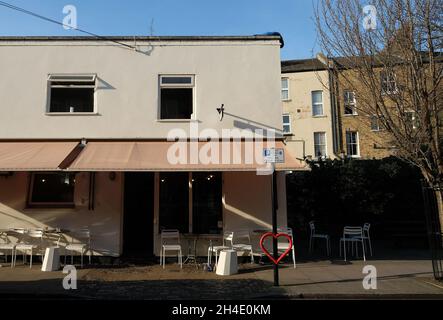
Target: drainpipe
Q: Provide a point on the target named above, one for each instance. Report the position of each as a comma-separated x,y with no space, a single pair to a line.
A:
333,97
334,93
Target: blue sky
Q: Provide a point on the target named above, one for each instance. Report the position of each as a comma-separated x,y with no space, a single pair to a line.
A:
292,18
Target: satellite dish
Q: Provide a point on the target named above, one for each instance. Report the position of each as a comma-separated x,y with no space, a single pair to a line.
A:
221,112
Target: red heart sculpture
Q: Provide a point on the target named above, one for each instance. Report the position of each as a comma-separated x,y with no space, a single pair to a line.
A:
275,236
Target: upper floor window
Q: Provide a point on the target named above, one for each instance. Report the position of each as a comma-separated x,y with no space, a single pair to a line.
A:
317,103
376,124
71,93
320,144
350,103
411,119
285,89
352,144
287,124
176,97
388,82
52,189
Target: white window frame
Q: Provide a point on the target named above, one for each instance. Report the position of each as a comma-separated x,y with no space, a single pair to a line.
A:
358,145
317,104
74,78
191,85
349,104
287,124
285,89
326,145
388,78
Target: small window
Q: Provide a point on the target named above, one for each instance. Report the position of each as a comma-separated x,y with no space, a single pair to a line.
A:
52,189
285,89
176,97
317,103
411,120
287,124
375,123
320,144
352,144
388,83
350,103
71,93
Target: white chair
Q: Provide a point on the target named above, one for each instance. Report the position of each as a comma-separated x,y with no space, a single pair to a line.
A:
352,235
227,237
32,244
170,241
283,246
314,235
366,236
5,246
243,235
81,243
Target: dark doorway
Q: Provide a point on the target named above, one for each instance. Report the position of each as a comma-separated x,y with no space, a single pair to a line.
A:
138,215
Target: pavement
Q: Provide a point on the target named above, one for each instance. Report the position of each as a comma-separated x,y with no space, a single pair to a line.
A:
320,279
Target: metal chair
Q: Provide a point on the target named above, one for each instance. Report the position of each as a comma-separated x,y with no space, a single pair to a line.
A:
283,246
170,241
6,245
314,235
352,235
81,243
245,247
228,236
366,236
32,244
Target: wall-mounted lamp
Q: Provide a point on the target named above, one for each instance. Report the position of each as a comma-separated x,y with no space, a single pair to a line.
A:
221,112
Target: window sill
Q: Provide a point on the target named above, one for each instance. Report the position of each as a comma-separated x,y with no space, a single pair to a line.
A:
286,100
389,93
72,114
176,120
350,115
289,134
321,116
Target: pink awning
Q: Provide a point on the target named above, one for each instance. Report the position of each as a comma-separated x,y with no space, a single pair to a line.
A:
34,156
165,156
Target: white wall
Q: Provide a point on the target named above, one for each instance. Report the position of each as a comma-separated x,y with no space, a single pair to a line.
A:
242,75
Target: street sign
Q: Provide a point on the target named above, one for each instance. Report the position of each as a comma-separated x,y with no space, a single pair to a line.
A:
273,155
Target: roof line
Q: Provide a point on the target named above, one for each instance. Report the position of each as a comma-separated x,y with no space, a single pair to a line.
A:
140,38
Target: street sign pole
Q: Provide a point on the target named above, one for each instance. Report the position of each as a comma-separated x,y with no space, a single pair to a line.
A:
274,222
272,156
